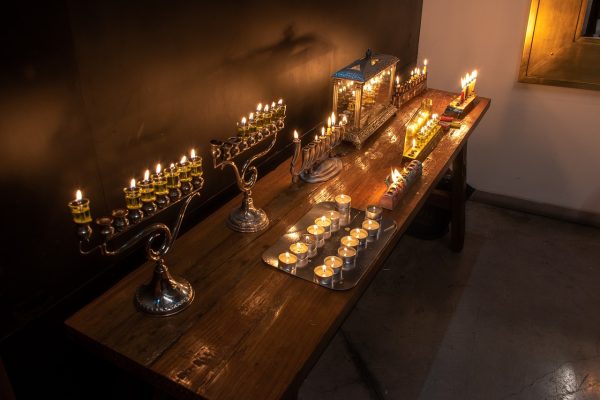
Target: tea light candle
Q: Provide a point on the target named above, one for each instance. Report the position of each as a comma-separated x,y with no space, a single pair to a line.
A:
80,209
318,232
336,265
334,217
325,223
348,256
342,202
349,241
373,212
300,250
287,261
371,226
309,240
323,275
361,235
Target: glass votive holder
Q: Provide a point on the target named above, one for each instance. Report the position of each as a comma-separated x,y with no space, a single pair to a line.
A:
80,211
335,263
300,250
374,212
334,217
309,240
319,233
350,241
348,256
361,235
287,262
324,223
372,228
323,275
342,202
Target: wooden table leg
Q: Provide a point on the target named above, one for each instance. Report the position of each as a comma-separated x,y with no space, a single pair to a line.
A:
459,186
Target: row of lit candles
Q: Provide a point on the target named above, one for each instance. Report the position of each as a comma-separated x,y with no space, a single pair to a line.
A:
322,229
326,130
152,192
467,85
415,73
262,116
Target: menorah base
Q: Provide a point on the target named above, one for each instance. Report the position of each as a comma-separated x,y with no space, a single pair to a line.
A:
248,221
164,295
328,168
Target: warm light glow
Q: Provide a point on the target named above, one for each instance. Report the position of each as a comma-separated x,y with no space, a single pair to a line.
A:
280,102
397,80
132,183
193,154
272,105
324,269
333,118
172,165
78,195
147,175
395,175
158,168
267,108
328,122
295,134
474,74
316,138
243,120
251,117
323,131
259,107
345,119
414,143
425,62
183,160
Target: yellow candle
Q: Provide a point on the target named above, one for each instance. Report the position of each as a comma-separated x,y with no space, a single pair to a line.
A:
359,233
287,260
80,209
323,275
349,241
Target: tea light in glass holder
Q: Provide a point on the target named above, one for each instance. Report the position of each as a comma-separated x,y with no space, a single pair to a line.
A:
349,241
361,235
373,212
325,223
334,216
80,209
287,261
336,265
300,250
133,201
323,275
348,256
310,241
342,203
372,227
319,233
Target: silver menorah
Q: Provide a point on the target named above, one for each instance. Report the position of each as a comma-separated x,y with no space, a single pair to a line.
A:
318,162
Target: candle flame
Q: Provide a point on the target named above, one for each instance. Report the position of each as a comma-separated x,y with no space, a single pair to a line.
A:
345,119
395,175
333,118
172,165
183,160
158,168
266,108
132,183
474,74
316,138
323,131
251,116
259,107
243,120
329,122
425,62
397,80
78,195
193,153
324,268
147,175
414,143
280,102
295,134
272,105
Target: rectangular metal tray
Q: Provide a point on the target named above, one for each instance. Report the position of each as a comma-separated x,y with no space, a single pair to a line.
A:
364,258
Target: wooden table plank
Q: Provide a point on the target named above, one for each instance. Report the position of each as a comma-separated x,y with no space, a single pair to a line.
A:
252,331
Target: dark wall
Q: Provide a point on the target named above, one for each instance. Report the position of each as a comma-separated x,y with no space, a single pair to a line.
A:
95,92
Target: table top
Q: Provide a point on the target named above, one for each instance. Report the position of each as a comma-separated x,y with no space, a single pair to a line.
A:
253,332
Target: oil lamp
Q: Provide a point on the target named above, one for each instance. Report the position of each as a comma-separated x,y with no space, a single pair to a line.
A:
148,197
133,202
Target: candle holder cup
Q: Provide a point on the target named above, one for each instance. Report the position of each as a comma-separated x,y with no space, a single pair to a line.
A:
316,162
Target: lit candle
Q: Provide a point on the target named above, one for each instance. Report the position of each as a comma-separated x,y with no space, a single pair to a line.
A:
133,202
267,115
318,232
287,261
242,128
251,125
301,251
333,119
473,81
344,120
185,176
324,223
348,256
309,240
335,263
329,125
361,235
349,241
196,169
323,275
424,66
173,182
160,187
373,212
334,216
342,202
148,196
258,120
371,226
296,138
80,209
281,108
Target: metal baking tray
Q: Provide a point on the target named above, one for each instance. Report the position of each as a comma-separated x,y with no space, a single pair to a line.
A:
364,258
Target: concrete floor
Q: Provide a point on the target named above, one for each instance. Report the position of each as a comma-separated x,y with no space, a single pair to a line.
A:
515,316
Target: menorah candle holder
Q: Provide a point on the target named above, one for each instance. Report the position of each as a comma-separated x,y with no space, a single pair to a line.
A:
247,218
410,88
362,92
398,184
466,100
423,132
164,294
316,162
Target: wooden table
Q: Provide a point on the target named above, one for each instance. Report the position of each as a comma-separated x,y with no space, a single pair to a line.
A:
253,332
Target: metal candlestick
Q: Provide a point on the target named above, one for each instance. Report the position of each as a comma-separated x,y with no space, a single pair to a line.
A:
247,218
318,163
